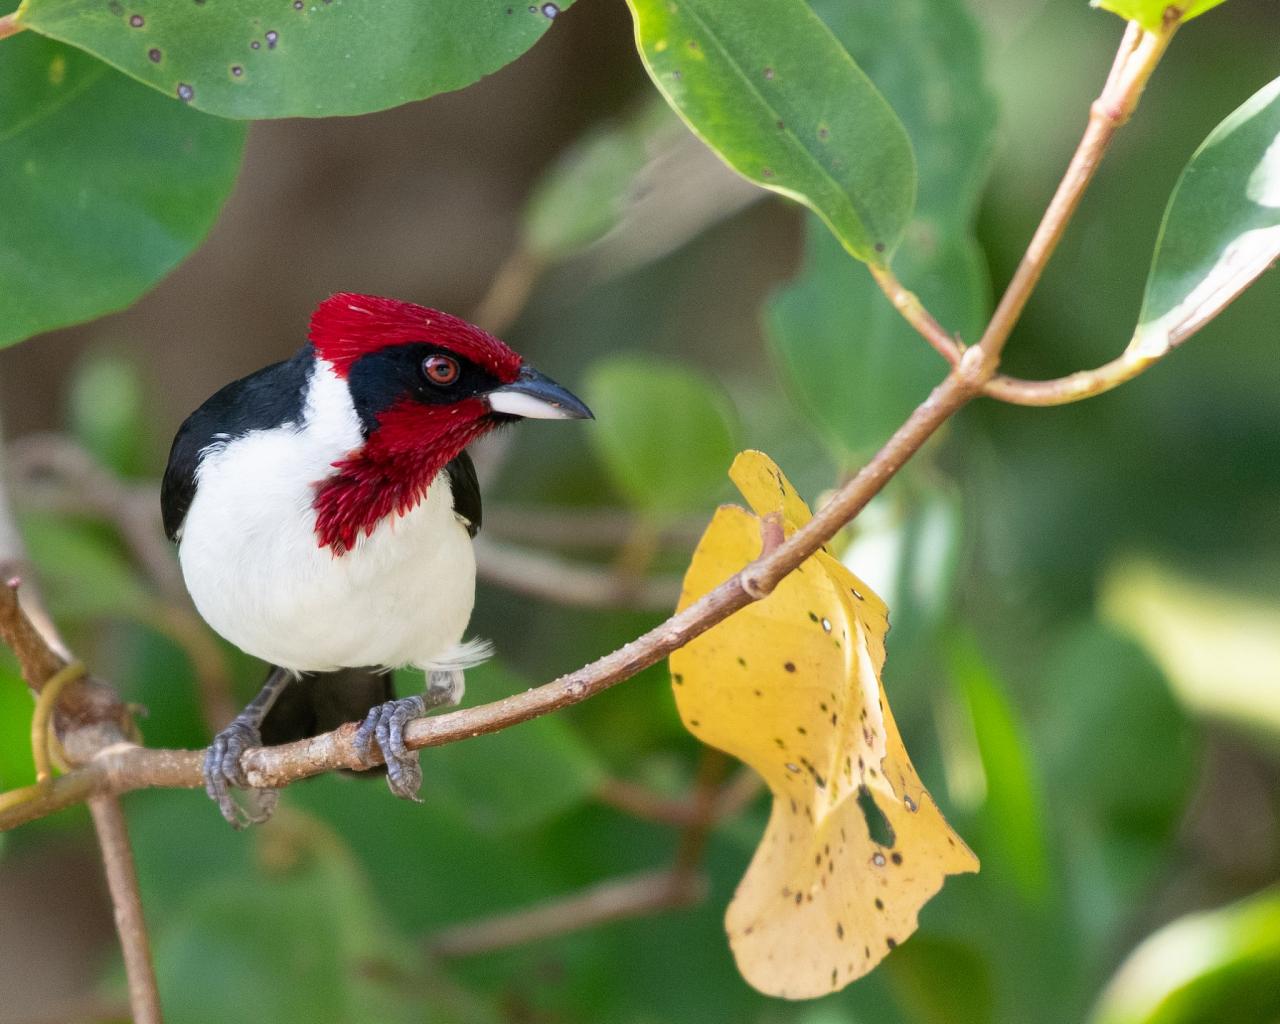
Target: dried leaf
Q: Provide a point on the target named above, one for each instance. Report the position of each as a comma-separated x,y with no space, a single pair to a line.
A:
855,846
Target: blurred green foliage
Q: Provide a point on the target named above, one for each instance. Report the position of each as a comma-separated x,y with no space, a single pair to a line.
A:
107,186
1092,788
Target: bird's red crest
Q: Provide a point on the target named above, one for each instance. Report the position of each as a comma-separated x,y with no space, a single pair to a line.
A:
346,326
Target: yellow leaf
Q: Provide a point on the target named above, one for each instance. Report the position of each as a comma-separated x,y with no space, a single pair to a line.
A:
855,846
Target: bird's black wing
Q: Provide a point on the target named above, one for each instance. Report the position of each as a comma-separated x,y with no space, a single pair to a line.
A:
260,401
466,491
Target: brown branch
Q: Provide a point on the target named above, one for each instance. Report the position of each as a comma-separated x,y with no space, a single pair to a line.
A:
641,802
553,579
1140,51
58,475
509,291
80,708
122,883
618,899
581,527
909,305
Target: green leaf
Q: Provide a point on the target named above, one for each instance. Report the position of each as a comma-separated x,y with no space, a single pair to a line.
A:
84,574
308,58
926,56
298,937
583,195
855,366
1118,758
766,85
1150,13
942,981
107,413
665,433
1221,228
1220,965
107,187
1013,814
1220,650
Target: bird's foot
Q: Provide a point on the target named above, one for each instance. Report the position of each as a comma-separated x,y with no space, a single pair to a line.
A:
222,770
385,724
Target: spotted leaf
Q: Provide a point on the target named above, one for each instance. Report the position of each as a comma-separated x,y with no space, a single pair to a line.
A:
855,845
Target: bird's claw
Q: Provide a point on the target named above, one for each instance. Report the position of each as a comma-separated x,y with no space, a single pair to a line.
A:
222,770
384,725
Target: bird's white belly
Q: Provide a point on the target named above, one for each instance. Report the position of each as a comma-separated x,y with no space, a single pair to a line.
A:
254,567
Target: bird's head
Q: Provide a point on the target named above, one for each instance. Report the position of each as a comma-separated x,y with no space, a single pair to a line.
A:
424,385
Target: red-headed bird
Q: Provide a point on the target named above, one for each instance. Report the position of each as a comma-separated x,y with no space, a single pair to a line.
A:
324,509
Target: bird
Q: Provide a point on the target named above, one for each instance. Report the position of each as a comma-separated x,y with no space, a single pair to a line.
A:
324,509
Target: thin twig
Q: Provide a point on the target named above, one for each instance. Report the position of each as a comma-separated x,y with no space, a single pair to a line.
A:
554,579
509,291
1134,65
122,883
564,527
58,475
617,899
641,802
93,709
909,305
1138,54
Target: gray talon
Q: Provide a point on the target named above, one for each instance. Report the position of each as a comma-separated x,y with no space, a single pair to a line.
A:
222,770
384,725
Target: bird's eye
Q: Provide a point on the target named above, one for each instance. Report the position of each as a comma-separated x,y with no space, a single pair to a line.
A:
440,369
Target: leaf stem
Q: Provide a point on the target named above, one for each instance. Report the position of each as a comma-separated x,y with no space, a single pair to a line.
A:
1075,386
10,25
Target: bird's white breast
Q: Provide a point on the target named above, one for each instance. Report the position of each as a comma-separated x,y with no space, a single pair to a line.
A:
252,562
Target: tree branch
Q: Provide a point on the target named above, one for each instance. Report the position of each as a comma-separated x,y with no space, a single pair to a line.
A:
618,899
77,706
122,883
1139,53
553,579
909,305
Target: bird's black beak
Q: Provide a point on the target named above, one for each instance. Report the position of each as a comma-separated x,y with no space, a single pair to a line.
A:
535,396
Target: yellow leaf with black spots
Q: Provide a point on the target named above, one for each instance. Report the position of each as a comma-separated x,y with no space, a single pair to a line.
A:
855,845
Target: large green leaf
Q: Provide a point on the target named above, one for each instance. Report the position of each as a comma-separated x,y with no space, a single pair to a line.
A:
1222,226
298,936
1150,13
767,86
1206,968
1118,759
305,58
1219,649
665,433
1013,815
107,186
856,367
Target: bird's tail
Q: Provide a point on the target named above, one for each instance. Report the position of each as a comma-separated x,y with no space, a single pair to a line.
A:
319,701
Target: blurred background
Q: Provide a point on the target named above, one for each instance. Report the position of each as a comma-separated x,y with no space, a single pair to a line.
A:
1085,655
